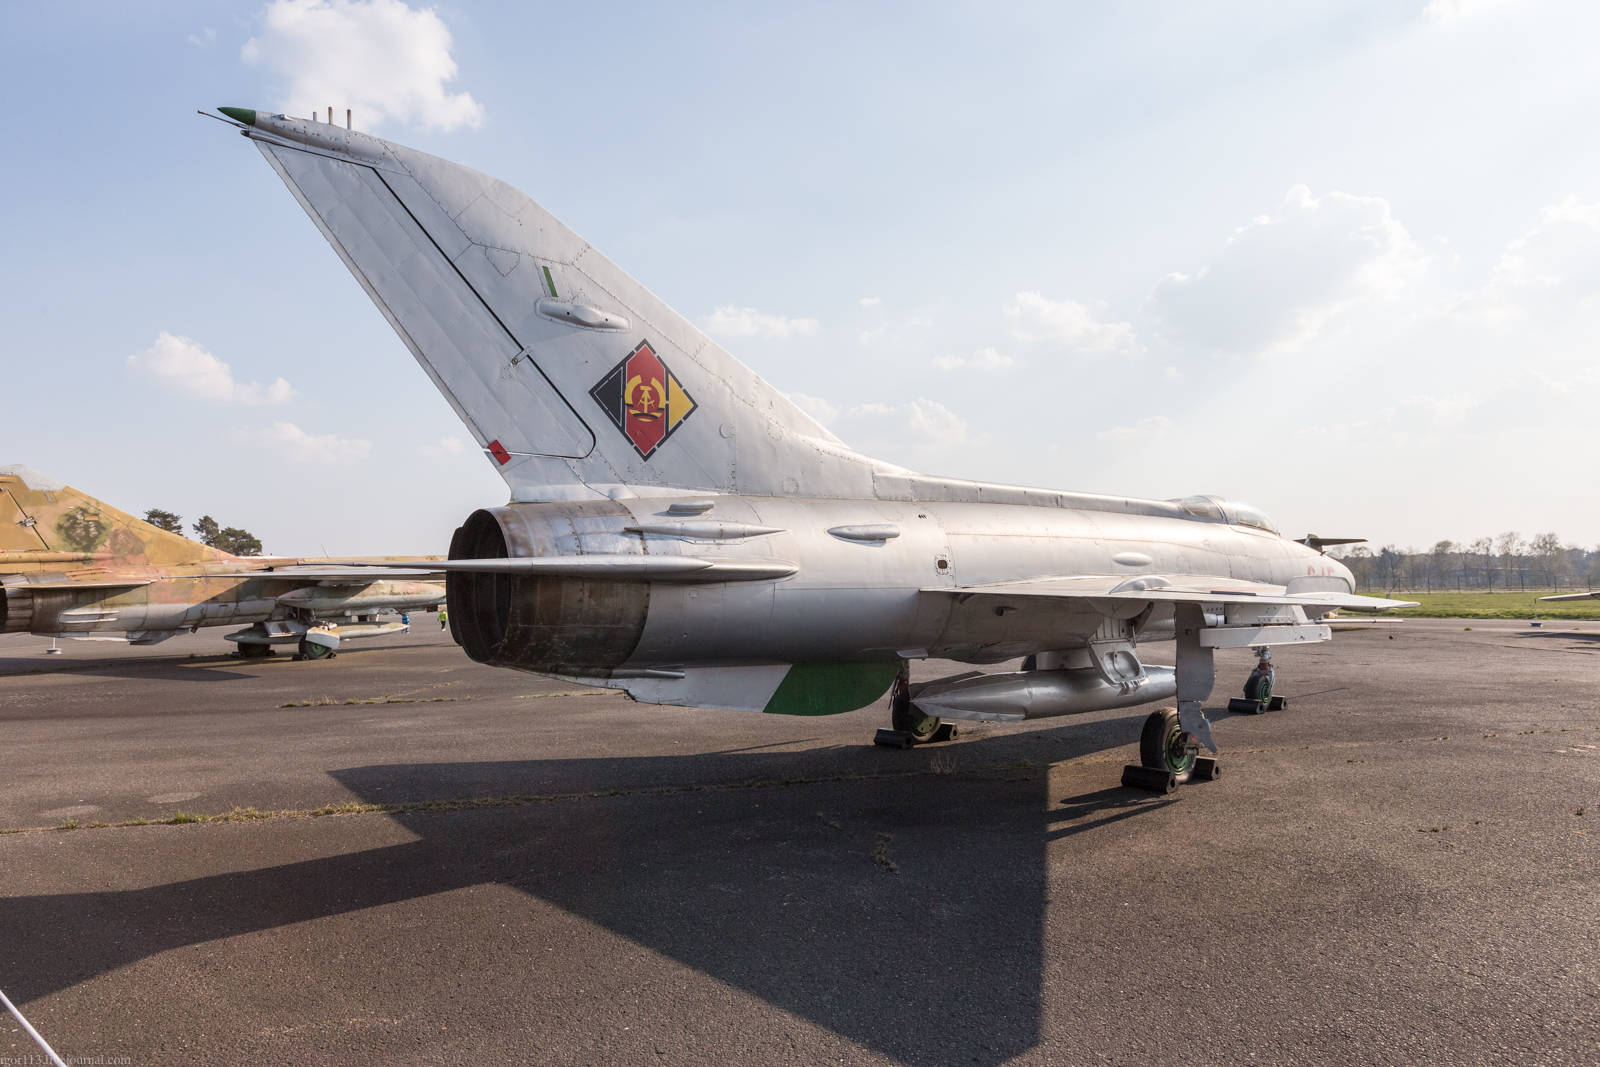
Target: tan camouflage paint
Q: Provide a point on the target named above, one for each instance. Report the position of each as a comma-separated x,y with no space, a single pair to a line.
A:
66,533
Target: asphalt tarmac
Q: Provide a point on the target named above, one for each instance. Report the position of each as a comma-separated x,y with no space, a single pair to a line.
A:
1399,869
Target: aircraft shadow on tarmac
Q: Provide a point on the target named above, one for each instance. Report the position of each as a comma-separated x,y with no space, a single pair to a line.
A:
903,913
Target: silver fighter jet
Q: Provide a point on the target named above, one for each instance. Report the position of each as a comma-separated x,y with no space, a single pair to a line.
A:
680,529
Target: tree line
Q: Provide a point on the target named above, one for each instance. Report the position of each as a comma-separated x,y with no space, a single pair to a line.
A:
231,539
1505,563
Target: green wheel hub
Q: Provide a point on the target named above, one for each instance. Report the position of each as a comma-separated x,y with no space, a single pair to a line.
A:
1164,745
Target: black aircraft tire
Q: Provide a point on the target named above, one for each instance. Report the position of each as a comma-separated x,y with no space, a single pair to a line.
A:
1163,745
908,718
313,651
1258,686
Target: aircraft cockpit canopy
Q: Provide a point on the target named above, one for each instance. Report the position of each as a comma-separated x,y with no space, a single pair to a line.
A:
1217,509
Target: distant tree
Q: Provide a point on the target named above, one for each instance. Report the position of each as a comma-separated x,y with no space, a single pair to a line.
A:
1481,552
1548,560
1359,560
1443,564
229,539
164,520
1387,567
1509,547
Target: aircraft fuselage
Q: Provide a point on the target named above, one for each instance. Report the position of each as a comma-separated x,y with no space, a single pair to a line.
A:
856,597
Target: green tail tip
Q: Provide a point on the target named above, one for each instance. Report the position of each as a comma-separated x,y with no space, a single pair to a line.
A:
239,114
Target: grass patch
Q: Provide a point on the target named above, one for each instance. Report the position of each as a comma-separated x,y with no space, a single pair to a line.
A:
408,697
332,702
1488,606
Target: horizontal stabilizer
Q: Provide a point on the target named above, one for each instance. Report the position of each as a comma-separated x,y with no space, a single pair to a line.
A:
354,575
1319,543
1574,596
623,568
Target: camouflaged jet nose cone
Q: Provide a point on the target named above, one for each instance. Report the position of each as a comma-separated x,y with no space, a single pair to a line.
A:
239,114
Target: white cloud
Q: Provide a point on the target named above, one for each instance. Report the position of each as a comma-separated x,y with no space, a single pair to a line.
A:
983,359
446,446
380,58
871,301
871,336
1455,10
291,442
187,367
914,323
1144,429
748,322
816,407
1433,412
1546,274
204,39
1279,284
923,425
1035,318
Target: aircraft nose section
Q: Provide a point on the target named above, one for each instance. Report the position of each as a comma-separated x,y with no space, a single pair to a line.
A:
239,114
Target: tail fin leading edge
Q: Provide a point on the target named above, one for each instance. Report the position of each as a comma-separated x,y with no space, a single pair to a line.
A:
575,380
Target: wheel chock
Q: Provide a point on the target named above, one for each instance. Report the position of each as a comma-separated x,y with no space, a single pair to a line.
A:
1241,706
946,732
1206,769
1278,704
1151,779
893,738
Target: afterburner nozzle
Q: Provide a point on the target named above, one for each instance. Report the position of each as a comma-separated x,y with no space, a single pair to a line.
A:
239,114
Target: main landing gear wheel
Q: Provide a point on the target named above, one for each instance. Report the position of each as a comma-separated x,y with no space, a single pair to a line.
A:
254,651
312,650
908,718
909,725
1164,746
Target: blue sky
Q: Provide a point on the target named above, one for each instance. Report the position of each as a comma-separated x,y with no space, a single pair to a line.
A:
1341,260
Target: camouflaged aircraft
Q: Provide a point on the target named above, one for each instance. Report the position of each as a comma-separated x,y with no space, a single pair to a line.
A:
680,529
71,566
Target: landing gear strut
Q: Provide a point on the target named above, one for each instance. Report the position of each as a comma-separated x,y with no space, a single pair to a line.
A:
1169,746
909,725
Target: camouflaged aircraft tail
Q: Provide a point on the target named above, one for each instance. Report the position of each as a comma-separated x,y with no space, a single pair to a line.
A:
575,380
48,523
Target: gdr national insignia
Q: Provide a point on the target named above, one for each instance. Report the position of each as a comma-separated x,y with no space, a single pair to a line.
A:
643,399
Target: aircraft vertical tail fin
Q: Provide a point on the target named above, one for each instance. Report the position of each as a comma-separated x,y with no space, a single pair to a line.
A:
575,380
39,514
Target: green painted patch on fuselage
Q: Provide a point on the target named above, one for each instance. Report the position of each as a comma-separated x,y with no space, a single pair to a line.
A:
831,688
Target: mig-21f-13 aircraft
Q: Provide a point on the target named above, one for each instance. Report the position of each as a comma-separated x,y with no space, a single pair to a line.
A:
680,529
71,566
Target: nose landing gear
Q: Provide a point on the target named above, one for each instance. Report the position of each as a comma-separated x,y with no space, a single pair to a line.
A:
1258,696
